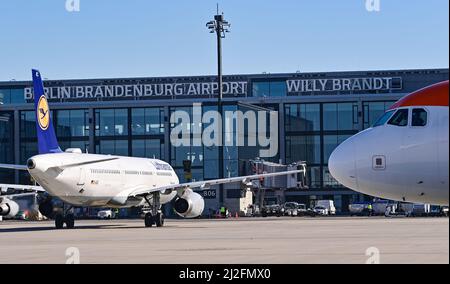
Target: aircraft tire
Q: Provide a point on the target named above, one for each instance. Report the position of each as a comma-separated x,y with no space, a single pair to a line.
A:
70,221
59,221
148,220
159,220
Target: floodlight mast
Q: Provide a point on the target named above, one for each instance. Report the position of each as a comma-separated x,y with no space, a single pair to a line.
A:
220,27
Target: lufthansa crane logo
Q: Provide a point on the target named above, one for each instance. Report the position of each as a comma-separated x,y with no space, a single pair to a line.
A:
43,115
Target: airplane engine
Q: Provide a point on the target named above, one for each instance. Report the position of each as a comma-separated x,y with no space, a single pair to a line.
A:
189,205
8,208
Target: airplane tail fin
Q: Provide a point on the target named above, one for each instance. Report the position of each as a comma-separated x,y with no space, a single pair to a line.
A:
45,132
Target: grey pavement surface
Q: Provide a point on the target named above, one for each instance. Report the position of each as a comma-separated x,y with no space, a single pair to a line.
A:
237,241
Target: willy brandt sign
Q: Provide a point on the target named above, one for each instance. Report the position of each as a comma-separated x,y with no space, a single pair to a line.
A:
344,84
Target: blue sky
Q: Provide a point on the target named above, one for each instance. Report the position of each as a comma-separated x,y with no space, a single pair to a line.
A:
137,38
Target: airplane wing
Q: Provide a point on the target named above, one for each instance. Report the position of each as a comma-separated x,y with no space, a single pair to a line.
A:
34,189
22,187
14,167
207,184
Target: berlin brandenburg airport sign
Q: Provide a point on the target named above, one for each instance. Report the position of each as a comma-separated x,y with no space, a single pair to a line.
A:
294,87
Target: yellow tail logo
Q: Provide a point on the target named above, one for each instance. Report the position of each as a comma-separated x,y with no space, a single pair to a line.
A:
43,115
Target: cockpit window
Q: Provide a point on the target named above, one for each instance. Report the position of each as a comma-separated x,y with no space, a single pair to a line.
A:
419,117
400,118
382,120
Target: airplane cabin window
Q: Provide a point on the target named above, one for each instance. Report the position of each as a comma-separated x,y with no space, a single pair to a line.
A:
400,118
382,120
419,117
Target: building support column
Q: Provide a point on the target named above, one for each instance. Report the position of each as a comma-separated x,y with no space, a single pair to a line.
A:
167,134
16,145
282,134
91,131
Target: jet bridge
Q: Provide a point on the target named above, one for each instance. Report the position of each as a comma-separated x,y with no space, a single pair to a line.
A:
273,189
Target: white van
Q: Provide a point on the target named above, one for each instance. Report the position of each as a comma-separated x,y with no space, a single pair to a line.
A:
327,204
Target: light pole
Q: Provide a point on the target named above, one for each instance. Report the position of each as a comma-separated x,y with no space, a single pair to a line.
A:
219,26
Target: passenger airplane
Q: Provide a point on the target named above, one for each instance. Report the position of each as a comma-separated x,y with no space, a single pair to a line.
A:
405,155
87,180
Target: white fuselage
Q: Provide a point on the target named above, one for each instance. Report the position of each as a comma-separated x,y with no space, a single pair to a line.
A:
101,184
399,163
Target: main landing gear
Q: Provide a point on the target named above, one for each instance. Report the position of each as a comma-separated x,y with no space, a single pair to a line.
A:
155,216
66,217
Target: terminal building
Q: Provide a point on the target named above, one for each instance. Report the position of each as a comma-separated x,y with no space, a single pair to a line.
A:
131,117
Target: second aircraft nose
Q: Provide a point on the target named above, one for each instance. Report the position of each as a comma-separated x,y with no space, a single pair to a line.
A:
342,164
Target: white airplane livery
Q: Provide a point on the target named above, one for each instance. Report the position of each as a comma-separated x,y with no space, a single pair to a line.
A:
107,181
405,155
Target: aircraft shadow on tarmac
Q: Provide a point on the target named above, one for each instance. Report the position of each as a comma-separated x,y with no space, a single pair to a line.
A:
88,227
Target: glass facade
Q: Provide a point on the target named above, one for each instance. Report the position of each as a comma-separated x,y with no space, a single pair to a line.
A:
147,133
340,116
132,118
6,145
374,110
269,89
72,128
313,131
11,96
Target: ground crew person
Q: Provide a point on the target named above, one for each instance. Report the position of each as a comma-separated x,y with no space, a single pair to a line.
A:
223,211
370,208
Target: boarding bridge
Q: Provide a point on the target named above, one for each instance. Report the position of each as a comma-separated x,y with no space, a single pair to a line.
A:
274,187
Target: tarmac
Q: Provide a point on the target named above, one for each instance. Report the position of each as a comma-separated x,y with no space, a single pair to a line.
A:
290,240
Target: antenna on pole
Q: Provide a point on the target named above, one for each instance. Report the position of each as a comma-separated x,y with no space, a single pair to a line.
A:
217,9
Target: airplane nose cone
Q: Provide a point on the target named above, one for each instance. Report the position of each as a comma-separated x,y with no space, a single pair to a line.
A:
342,164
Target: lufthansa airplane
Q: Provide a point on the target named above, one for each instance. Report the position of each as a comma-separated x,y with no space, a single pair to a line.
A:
405,155
87,180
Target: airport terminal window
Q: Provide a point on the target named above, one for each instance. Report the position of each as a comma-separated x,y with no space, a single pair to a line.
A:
27,150
111,122
17,96
197,175
6,145
148,148
231,153
179,154
231,162
340,116
328,180
303,148
313,177
269,89
210,153
278,89
147,121
112,147
419,117
72,123
5,96
382,120
66,144
28,124
373,111
400,118
11,96
302,117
